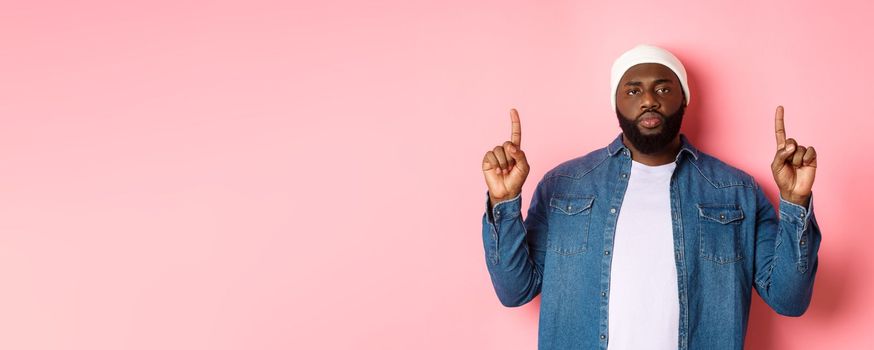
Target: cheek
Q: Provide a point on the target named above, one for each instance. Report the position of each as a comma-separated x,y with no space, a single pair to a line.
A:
626,104
672,102
626,114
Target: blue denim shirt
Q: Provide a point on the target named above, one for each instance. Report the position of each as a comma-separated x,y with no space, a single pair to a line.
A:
727,241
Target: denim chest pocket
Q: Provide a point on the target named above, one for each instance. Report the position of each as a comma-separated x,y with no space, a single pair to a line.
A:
569,217
719,231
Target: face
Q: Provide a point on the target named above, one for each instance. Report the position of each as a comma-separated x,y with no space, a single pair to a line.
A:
650,106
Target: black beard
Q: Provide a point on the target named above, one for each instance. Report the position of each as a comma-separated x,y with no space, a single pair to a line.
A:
651,144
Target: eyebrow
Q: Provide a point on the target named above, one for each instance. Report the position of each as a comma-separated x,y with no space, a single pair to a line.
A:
657,81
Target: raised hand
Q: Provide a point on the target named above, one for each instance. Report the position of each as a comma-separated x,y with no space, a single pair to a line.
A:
505,167
794,166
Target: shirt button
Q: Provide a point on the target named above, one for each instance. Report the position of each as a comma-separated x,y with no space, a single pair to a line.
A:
603,337
801,215
803,242
721,216
612,210
498,212
569,208
606,252
604,294
624,175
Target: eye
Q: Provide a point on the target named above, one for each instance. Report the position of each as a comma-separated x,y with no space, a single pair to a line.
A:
663,90
632,92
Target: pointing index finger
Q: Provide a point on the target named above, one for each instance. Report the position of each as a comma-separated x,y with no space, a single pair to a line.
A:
516,131
779,128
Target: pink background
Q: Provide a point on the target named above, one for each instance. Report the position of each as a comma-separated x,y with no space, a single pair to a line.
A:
275,175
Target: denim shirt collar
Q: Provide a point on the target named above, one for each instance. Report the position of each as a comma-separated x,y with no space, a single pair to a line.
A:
685,146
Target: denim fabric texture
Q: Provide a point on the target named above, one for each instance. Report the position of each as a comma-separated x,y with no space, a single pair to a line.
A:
728,240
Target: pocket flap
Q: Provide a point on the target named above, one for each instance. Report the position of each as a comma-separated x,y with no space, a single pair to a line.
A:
571,205
721,213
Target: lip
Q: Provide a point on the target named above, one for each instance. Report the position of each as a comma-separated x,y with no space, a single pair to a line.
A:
650,120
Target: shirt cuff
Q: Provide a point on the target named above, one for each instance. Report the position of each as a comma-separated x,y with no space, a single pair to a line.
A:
797,213
504,210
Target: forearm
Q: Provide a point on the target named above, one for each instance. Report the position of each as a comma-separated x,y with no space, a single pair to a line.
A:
514,275
789,286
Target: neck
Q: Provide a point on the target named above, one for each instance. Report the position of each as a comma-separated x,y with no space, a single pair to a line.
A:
664,156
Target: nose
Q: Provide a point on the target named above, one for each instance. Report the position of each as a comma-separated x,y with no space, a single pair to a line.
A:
649,101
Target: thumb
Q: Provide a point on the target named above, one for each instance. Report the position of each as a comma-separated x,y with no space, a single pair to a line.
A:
519,156
783,154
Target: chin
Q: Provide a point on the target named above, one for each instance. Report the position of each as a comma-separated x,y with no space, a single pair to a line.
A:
650,132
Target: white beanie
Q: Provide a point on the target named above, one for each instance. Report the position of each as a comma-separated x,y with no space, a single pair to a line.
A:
646,54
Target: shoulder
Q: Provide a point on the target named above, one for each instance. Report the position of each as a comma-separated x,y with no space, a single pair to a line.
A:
721,174
579,167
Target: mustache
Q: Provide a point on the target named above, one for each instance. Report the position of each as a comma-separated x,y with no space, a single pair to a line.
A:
650,111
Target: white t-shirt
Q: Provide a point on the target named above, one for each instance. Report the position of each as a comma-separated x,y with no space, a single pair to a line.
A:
644,307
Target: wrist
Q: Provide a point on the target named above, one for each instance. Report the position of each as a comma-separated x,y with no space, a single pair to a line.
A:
496,200
796,199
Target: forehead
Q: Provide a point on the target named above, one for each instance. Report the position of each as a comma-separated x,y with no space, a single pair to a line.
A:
648,72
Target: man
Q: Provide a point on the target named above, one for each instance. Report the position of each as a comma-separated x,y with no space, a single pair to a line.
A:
649,243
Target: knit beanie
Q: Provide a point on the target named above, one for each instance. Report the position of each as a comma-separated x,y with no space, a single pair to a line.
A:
646,54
